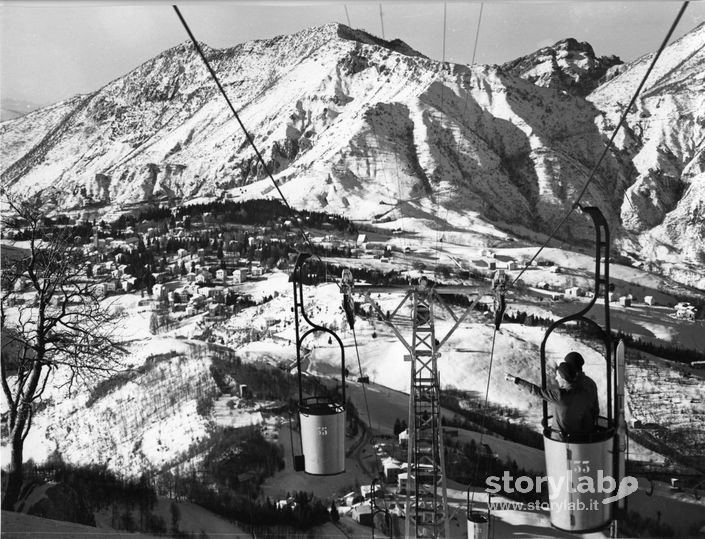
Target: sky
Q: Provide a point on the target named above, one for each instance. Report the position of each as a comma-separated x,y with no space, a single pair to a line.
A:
50,51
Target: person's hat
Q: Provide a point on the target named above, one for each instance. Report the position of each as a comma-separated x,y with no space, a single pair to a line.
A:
567,371
575,360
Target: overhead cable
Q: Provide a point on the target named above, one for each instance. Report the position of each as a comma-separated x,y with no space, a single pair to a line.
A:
242,126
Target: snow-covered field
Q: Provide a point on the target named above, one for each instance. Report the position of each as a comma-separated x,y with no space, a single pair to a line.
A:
151,420
265,332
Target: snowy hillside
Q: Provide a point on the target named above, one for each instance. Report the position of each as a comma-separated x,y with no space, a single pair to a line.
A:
664,205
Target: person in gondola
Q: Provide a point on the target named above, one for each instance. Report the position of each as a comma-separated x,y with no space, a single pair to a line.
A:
499,284
575,360
572,403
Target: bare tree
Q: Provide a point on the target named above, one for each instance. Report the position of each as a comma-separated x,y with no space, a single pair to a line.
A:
52,322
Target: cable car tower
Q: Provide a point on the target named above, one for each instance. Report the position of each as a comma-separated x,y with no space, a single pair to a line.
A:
426,507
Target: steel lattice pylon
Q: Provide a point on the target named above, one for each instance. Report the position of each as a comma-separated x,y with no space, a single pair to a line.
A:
426,512
426,506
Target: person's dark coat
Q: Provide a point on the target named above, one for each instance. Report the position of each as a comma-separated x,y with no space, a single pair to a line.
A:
572,407
589,384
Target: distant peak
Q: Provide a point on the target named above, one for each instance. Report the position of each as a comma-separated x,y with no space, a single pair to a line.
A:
396,45
569,65
572,44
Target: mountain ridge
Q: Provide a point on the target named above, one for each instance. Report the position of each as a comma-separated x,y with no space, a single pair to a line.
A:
352,121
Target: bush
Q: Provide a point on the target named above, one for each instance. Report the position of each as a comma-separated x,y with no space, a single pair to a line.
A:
155,524
204,405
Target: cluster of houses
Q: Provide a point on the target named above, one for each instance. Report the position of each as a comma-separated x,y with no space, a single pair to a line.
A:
682,310
192,281
395,473
200,277
361,247
685,311
492,261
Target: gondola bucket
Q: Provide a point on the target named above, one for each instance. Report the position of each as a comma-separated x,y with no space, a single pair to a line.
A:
322,423
478,525
582,477
478,521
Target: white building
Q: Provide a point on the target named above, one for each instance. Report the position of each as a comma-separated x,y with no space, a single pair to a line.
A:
426,477
362,513
573,292
239,275
159,290
366,490
392,468
204,276
404,437
348,499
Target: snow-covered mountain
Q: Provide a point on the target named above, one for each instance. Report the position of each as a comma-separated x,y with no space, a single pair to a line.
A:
662,144
345,121
568,65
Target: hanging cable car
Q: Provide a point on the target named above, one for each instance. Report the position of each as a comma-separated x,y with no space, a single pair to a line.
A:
500,280
584,470
321,417
479,522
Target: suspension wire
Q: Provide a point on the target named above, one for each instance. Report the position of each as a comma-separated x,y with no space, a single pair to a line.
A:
622,119
381,20
484,409
249,138
399,194
377,165
467,92
347,15
242,126
445,13
439,234
257,152
364,395
477,35
472,63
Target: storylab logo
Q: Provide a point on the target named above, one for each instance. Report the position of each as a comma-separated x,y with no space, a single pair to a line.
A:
571,483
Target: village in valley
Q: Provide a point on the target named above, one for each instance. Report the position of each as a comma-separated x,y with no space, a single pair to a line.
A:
196,265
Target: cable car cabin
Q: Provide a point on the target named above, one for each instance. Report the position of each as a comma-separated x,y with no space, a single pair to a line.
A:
321,417
479,525
583,469
479,522
581,474
322,435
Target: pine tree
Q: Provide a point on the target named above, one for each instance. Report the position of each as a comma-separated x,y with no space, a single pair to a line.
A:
397,426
